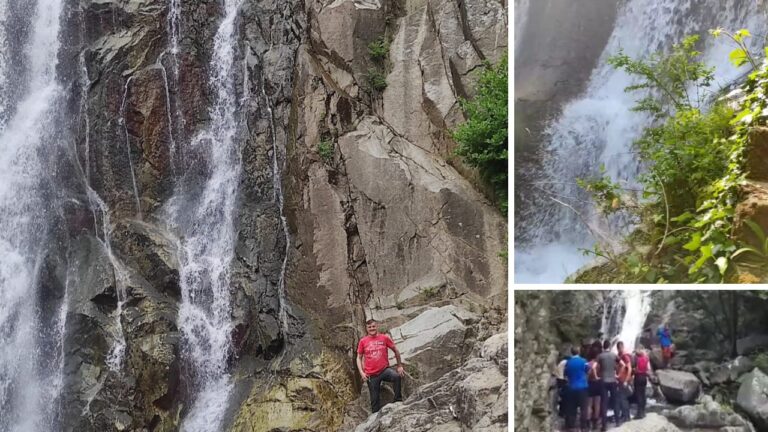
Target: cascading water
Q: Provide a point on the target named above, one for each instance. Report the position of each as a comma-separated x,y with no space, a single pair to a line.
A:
624,314
599,128
30,358
209,235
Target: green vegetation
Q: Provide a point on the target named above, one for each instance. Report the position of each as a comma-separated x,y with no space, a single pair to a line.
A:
379,49
430,292
325,150
482,139
694,159
761,361
377,80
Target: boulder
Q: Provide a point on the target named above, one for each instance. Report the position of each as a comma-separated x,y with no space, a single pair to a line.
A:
707,414
678,386
657,361
651,423
751,343
471,397
753,397
730,371
434,341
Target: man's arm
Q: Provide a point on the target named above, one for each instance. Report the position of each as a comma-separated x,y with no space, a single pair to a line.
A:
399,368
360,367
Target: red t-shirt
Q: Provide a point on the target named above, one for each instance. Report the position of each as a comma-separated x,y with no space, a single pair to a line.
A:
374,351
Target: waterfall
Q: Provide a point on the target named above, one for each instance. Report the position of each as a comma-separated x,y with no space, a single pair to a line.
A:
598,128
521,16
624,314
30,357
208,241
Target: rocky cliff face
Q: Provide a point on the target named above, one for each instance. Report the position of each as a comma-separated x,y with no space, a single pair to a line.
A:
387,224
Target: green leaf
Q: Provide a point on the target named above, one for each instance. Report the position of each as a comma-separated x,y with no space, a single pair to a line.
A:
743,33
738,57
722,265
746,250
694,243
683,217
757,230
716,32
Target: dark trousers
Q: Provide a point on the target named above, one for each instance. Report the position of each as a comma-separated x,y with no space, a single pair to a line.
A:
623,394
562,389
374,387
577,400
640,382
609,388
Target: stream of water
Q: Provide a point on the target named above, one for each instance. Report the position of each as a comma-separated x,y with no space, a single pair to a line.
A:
209,235
30,358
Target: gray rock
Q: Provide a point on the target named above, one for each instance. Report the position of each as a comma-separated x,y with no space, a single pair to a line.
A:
731,371
753,397
472,397
749,344
434,341
706,414
678,386
651,423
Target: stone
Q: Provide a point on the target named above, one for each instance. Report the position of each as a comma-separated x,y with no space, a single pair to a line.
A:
471,397
651,423
433,342
706,414
757,153
751,343
730,371
752,398
678,386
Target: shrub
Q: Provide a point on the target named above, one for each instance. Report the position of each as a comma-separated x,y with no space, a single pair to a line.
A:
325,150
483,138
379,49
377,80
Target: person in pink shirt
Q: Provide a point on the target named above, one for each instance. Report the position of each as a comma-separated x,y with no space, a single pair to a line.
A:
373,363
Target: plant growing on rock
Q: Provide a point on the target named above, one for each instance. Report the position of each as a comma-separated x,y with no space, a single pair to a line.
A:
378,49
325,150
483,138
695,163
377,80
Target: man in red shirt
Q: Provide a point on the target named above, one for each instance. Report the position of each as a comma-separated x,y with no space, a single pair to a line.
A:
373,363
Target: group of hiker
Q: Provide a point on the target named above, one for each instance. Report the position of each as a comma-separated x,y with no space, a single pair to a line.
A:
596,377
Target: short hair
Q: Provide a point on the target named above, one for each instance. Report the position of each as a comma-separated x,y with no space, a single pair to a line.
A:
620,344
370,321
606,344
575,350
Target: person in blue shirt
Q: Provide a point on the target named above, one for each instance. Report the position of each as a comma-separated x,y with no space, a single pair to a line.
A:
576,369
665,339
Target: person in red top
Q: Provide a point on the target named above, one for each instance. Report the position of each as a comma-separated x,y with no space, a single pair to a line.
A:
373,363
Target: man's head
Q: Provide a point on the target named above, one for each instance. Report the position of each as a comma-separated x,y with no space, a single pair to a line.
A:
606,345
620,347
575,350
371,327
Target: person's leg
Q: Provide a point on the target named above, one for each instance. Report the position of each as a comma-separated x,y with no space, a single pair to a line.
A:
390,375
615,401
571,406
596,407
604,406
640,384
624,402
374,387
583,406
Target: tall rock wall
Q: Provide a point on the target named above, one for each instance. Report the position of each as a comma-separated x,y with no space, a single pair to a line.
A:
386,224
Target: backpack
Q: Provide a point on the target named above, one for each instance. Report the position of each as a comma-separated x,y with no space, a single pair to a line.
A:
642,364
